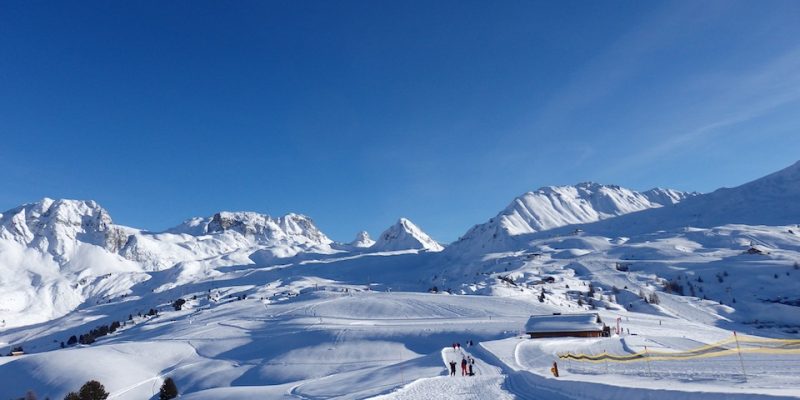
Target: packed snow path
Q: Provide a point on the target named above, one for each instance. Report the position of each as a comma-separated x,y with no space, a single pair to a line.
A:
486,383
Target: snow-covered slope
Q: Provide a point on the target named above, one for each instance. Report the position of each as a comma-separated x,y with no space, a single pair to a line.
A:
555,206
404,235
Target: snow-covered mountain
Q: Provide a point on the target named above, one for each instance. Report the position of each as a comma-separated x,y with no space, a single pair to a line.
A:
556,206
56,254
770,200
362,240
57,227
262,228
404,235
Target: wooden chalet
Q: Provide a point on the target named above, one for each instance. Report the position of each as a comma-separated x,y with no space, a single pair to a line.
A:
566,325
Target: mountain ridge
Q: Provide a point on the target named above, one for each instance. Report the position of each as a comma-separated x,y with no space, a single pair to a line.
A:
553,207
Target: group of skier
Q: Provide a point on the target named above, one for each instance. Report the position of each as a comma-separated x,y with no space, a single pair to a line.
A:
467,364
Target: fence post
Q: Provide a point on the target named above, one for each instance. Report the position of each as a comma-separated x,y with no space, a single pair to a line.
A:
739,351
647,358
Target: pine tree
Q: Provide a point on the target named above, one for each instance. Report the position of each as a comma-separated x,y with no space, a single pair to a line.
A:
72,396
168,390
93,390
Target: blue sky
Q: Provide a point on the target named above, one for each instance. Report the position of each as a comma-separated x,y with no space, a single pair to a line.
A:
357,113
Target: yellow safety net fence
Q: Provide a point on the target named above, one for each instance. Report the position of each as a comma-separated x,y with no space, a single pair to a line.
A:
735,344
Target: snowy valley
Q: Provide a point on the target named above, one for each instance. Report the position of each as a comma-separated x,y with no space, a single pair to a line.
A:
245,305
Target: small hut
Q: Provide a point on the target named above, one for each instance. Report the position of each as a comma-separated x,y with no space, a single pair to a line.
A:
566,325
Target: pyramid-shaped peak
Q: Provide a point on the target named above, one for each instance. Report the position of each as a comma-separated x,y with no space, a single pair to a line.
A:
362,240
405,235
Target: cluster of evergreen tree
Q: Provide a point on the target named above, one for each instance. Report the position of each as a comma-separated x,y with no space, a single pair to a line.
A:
102,330
92,335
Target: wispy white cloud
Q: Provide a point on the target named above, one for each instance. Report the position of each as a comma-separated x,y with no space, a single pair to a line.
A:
604,74
615,65
740,98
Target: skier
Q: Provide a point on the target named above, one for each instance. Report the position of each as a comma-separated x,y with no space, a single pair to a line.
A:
471,364
452,368
463,367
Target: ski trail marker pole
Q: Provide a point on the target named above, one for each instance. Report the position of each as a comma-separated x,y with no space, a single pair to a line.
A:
739,351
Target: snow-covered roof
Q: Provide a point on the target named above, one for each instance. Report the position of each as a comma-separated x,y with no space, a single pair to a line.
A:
564,323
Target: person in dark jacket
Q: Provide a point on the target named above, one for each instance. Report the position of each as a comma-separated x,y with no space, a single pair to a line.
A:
452,368
471,364
463,367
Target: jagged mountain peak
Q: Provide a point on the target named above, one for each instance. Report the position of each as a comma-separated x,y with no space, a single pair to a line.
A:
405,235
362,240
261,227
555,206
55,226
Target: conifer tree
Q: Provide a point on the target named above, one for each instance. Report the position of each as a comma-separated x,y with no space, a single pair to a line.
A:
168,390
93,390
